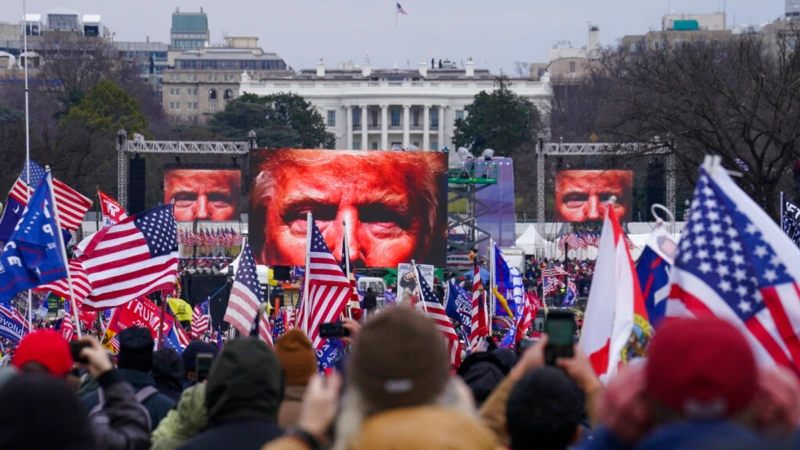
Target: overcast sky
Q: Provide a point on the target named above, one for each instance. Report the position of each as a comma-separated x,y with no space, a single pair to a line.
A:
494,32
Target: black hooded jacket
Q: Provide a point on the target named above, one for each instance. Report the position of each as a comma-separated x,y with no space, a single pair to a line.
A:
168,373
244,392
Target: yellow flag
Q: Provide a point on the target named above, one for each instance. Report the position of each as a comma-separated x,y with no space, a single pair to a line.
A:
181,309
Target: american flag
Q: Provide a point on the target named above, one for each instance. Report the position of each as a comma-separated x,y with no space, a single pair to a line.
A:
80,284
114,343
183,339
67,327
571,295
280,325
479,325
328,288
734,262
435,311
552,270
550,285
72,206
201,319
265,329
289,318
246,295
400,10
349,273
133,258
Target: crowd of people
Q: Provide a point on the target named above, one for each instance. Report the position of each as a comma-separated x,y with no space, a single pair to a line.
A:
394,388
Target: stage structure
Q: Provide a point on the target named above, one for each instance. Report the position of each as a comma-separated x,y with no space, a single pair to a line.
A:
544,150
138,144
464,184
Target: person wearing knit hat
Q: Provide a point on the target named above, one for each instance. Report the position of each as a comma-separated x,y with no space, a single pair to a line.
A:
398,360
135,361
43,351
299,361
189,357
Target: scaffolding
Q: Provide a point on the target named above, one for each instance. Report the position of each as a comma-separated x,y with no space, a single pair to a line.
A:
464,208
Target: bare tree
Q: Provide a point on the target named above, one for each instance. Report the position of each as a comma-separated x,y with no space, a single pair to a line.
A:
738,98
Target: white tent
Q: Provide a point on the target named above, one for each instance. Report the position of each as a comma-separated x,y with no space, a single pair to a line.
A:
529,240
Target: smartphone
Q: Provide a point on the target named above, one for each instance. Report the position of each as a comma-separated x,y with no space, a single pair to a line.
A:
333,330
75,348
203,366
560,328
525,344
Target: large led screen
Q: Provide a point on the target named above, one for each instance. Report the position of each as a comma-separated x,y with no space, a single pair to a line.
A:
582,195
204,194
394,204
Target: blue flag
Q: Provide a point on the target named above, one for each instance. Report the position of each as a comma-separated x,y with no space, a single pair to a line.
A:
653,269
571,295
171,340
791,221
12,324
459,306
329,354
33,255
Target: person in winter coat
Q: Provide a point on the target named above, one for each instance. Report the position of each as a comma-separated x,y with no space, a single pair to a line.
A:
43,351
299,362
482,372
370,303
189,357
121,424
135,361
399,395
184,422
243,394
168,373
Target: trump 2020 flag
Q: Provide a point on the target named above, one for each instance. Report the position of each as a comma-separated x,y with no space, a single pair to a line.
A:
459,306
653,269
735,262
33,255
615,309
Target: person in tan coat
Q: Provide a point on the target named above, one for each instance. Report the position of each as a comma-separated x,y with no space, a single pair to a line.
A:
299,362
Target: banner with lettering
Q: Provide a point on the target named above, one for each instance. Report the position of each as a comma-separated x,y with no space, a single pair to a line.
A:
140,313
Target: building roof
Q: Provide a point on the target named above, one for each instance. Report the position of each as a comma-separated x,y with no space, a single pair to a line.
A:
392,74
33,17
226,53
141,46
91,18
191,22
62,11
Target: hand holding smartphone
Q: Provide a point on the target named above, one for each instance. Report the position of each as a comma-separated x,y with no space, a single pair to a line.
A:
560,328
333,330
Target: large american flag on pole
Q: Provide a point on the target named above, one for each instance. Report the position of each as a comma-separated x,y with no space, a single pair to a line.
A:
80,284
67,327
72,206
734,262
246,295
480,327
328,288
430,304
133,258
201,319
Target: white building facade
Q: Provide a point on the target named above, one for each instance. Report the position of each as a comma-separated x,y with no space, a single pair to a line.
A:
381,109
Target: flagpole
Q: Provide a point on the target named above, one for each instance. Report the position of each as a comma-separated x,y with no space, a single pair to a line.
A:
347,264
418,275
75,311
781,216
307,299
492,274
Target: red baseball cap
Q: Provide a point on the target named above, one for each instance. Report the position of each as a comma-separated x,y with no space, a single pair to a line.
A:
47,348
702,369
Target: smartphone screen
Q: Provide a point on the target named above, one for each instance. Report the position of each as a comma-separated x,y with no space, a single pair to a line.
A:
560,328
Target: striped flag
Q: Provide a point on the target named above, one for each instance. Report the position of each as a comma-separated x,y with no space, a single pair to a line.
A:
183,339
265,330
131,259
328,288
735,262
479,325
246,295
13,325
72,206
80,284
67,327
435,311
201,319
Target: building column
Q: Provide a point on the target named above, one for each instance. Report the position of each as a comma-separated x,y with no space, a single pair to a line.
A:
348,110
384,127
426,128
364,134
406,125
440,136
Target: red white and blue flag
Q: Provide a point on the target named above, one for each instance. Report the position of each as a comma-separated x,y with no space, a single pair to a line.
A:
400,10
328,288
246,295
734,262
429,303
67,327
201,319
131,259
480,327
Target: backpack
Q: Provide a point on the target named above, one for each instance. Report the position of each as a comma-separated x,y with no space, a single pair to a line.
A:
141,397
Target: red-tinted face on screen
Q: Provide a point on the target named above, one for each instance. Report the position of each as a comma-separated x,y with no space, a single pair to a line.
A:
581,195
203,194
391,205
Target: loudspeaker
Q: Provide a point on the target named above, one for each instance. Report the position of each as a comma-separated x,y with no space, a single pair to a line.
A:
199,287
136,184
281,273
